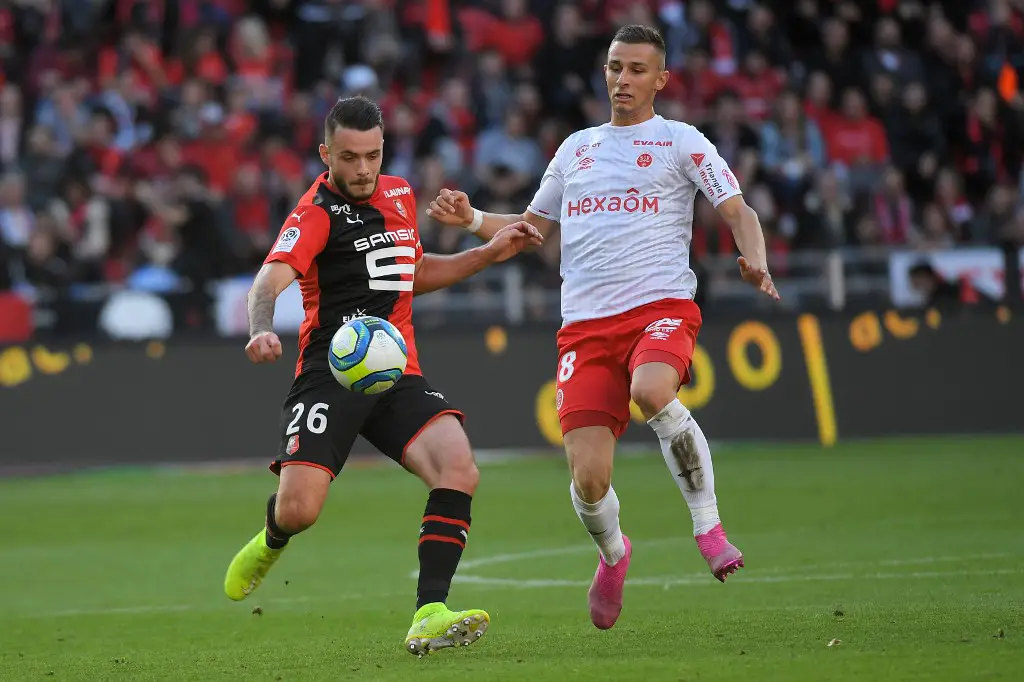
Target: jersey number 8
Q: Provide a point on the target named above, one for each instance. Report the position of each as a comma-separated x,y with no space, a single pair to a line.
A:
566,366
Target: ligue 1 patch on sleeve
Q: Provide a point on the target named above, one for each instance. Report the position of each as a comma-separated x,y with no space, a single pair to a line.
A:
286,242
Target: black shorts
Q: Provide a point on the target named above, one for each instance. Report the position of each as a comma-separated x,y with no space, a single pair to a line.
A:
321,420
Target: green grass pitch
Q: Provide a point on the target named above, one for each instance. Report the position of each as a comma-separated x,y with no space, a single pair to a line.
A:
909,554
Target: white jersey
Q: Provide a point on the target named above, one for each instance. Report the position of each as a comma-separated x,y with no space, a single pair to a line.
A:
624,197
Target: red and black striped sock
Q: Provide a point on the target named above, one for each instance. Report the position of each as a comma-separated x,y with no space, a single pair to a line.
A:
443,536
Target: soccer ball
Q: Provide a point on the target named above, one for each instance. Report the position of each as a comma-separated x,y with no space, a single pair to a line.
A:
368,355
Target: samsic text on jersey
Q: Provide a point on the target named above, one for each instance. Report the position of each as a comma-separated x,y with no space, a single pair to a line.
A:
353,259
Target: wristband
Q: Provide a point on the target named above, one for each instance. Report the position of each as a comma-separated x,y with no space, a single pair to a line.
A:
478,220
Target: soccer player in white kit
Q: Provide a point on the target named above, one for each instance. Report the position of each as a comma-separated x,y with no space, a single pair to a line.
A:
623,194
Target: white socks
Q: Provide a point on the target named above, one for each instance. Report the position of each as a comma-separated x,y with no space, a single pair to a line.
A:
688,457
601,520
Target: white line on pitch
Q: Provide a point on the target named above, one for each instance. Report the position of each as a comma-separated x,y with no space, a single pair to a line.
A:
704,579
762,575
581,549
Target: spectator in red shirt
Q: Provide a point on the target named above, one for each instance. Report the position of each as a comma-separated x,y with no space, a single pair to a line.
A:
214,152
758,85
714,34
239,123
855,138
818,98
250,216
516,35
202,60
138,54
893,209
696,85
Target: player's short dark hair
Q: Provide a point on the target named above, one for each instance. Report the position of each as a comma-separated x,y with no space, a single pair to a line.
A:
354,113
638,34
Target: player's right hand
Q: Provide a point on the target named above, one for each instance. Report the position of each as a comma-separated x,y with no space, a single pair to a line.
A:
451,207
759,277
512,239
263,347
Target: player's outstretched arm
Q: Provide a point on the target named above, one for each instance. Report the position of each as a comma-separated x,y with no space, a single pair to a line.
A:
746,230
271,280
435,272
452,207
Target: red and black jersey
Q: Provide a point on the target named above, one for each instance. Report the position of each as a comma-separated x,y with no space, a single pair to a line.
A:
353,259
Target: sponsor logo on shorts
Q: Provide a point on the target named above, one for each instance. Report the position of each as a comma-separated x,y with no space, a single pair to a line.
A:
559,399
663,328
286,242
436,394
293,445
644,160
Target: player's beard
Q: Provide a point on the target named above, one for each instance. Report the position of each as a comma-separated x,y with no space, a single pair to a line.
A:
356,192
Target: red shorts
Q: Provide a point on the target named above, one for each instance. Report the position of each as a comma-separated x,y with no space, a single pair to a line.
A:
596,359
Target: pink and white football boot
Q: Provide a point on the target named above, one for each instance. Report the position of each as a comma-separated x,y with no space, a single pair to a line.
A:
605,595
723,558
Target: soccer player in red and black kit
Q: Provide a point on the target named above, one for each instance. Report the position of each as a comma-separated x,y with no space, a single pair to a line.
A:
353,244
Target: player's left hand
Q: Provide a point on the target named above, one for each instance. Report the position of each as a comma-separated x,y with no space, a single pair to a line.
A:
759,277
512,239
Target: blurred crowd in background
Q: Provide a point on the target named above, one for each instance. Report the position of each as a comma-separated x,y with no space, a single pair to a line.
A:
150,143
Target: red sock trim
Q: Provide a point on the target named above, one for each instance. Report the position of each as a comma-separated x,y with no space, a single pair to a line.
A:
445,519
442,538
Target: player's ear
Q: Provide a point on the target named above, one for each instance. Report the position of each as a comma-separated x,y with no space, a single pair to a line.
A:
662,80
325,155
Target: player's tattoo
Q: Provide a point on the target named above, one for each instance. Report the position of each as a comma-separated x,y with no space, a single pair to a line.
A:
261,306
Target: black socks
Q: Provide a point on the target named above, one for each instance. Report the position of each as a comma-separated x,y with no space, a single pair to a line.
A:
443,536
276,538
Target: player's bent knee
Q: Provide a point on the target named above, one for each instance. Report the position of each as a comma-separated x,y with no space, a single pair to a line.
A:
651,397
442,457
457,470
300,497
295,513
465,478
653,385
591,486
